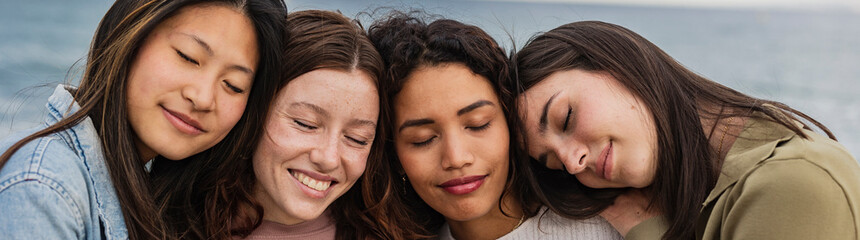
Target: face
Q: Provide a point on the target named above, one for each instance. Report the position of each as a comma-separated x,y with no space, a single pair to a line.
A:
190,80
590,125
316,143
452,140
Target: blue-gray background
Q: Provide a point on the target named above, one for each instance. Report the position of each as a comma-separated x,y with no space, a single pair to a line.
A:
807,58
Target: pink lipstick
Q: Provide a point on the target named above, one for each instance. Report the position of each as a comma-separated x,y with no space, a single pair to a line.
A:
463,185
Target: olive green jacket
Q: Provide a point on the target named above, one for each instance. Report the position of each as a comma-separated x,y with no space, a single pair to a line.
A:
775,184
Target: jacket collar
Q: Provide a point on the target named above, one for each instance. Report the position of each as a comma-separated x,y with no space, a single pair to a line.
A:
755,144
84,139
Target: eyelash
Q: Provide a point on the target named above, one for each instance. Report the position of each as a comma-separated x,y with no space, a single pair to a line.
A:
362,143
480,128
233,88
308,126
424,143
567,118
187,58
305,125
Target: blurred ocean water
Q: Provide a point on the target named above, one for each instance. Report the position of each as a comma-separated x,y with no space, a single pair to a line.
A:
808,59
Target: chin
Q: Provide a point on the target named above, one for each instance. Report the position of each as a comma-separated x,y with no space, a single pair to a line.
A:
466,213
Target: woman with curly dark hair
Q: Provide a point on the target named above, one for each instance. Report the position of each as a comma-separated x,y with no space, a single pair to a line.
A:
454,166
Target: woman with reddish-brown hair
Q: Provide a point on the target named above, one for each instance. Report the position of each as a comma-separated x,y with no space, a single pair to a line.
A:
302,177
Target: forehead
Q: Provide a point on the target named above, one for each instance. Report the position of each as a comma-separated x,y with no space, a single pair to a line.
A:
203,15
353,91
443,88
533,100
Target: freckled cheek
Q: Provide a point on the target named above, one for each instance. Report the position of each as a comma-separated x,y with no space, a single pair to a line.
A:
279,143
264,156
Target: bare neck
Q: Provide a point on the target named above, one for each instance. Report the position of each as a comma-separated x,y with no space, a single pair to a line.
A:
493,225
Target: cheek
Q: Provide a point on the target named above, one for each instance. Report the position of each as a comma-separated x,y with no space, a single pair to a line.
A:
263,160
230,112
275,144
644,172
498,144
139,90
415,166
354,167
151,71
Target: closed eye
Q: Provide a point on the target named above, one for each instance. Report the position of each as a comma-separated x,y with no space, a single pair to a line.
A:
233,88
425,142
480,128
187,58
567,119
305,125
362,143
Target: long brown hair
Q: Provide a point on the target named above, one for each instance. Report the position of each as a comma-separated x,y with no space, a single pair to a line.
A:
678,98
215,197
102,95
407,43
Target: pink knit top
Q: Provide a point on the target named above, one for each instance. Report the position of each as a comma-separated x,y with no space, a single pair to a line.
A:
322,228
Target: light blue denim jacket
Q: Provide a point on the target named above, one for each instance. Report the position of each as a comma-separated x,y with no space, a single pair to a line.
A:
58,186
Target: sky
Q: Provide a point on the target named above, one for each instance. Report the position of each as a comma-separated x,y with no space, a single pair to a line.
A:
847,5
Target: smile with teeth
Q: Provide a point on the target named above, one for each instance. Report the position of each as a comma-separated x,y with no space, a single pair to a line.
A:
319,185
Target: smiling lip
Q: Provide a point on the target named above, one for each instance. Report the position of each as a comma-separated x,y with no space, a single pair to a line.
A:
182,122
463,185
604,163
313,193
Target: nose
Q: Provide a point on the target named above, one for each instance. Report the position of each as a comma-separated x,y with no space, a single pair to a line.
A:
201,94
572,158
325,155
455,153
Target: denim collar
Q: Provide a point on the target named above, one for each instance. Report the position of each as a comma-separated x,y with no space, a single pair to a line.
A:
83,138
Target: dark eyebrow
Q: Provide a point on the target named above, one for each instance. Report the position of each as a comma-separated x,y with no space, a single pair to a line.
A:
543,118
415,122
209,51
473,106
313,107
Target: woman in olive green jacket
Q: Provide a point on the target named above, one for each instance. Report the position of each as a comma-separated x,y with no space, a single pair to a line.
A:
626,132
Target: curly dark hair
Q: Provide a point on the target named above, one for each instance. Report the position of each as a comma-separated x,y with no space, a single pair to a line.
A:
407,43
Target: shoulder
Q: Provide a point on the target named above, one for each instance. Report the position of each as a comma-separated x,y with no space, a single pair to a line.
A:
43,191
815,165
794,178
771,157
549,225
44,166
52,156
792,197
